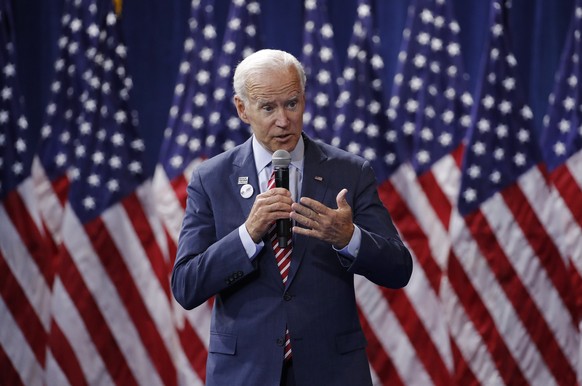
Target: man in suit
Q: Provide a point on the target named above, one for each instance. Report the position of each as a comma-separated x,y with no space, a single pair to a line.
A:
340,229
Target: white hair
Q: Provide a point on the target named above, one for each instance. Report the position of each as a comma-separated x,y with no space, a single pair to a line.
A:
257,63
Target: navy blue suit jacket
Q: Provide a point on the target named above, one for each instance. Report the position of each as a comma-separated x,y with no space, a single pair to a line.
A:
252,306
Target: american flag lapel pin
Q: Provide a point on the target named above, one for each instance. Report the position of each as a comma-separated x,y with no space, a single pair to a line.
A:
318,178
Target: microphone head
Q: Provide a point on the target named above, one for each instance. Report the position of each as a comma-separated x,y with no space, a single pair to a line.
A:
281,159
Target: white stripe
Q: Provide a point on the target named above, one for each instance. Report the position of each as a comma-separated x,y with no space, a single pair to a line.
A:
574,164
168,206
24,269
107,298
406,183
66,316
532,273
469,342
51,209
448,176
390,334
17,349
54,374
26,192
498,306
137,262
428,307
147,202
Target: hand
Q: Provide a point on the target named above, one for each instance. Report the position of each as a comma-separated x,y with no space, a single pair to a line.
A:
269,206
334,226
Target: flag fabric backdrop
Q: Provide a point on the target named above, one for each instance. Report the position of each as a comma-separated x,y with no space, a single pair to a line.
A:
562,150
25,271
494,237
322,70
182,150
505,268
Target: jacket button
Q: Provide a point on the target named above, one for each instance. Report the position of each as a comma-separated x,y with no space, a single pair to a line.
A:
280,342
287,297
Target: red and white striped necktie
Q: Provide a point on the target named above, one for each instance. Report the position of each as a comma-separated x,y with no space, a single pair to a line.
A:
283,258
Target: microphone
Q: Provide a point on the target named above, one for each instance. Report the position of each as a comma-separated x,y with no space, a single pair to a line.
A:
281,160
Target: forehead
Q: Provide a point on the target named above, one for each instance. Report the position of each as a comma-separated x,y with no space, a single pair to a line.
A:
270,84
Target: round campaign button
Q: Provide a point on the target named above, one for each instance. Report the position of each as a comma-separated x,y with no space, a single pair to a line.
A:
246,190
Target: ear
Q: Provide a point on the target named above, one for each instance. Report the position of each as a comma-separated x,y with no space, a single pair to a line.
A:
240,109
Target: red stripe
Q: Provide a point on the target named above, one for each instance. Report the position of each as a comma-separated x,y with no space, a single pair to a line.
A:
484,325
143,230
112,261
194,349
519,297
569,190
457,154
8,374
96,325
380,361
28,231
463,375
437,198
403,308
419,337
411,232
22,311
542,244
576,281
64,354
180,184
61,188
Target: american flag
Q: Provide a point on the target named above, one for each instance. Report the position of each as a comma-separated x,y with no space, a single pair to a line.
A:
322,69
430,110
562,150
241,38
388,317
112,319
183,149
25,275
513,320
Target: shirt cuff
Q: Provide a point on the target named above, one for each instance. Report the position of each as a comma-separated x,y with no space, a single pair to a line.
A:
251,248
351,250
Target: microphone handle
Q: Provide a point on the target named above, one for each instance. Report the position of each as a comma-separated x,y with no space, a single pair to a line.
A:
283,225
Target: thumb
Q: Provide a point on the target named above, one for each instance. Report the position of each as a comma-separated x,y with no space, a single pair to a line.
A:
340,199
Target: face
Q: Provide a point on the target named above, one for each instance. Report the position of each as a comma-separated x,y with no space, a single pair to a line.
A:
274,109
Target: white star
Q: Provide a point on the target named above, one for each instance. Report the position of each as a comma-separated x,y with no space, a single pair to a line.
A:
135,167
505,107
20,145
423,157
479,148
495,177
569,103
323,77
117,139
508,84
519,159
419,61
564,126
89,203
426,134
98,158
501,131
448,116
9,70
526,112
94,180
445,139
559,148
372,130
470,195
354,148
499,154
453,49
357,125
474,171
483,125
523,135
488,101
369,154
115,162
411,106
113,185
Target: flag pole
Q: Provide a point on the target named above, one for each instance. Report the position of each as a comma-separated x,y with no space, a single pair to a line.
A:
117,5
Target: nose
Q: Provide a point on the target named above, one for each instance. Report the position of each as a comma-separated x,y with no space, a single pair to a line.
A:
282,120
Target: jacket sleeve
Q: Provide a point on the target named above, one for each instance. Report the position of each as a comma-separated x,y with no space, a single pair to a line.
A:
383,258
206,265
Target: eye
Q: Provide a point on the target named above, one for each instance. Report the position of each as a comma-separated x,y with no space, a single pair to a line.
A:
267,108
292,104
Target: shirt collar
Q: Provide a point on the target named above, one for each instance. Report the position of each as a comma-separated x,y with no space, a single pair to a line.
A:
263,156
